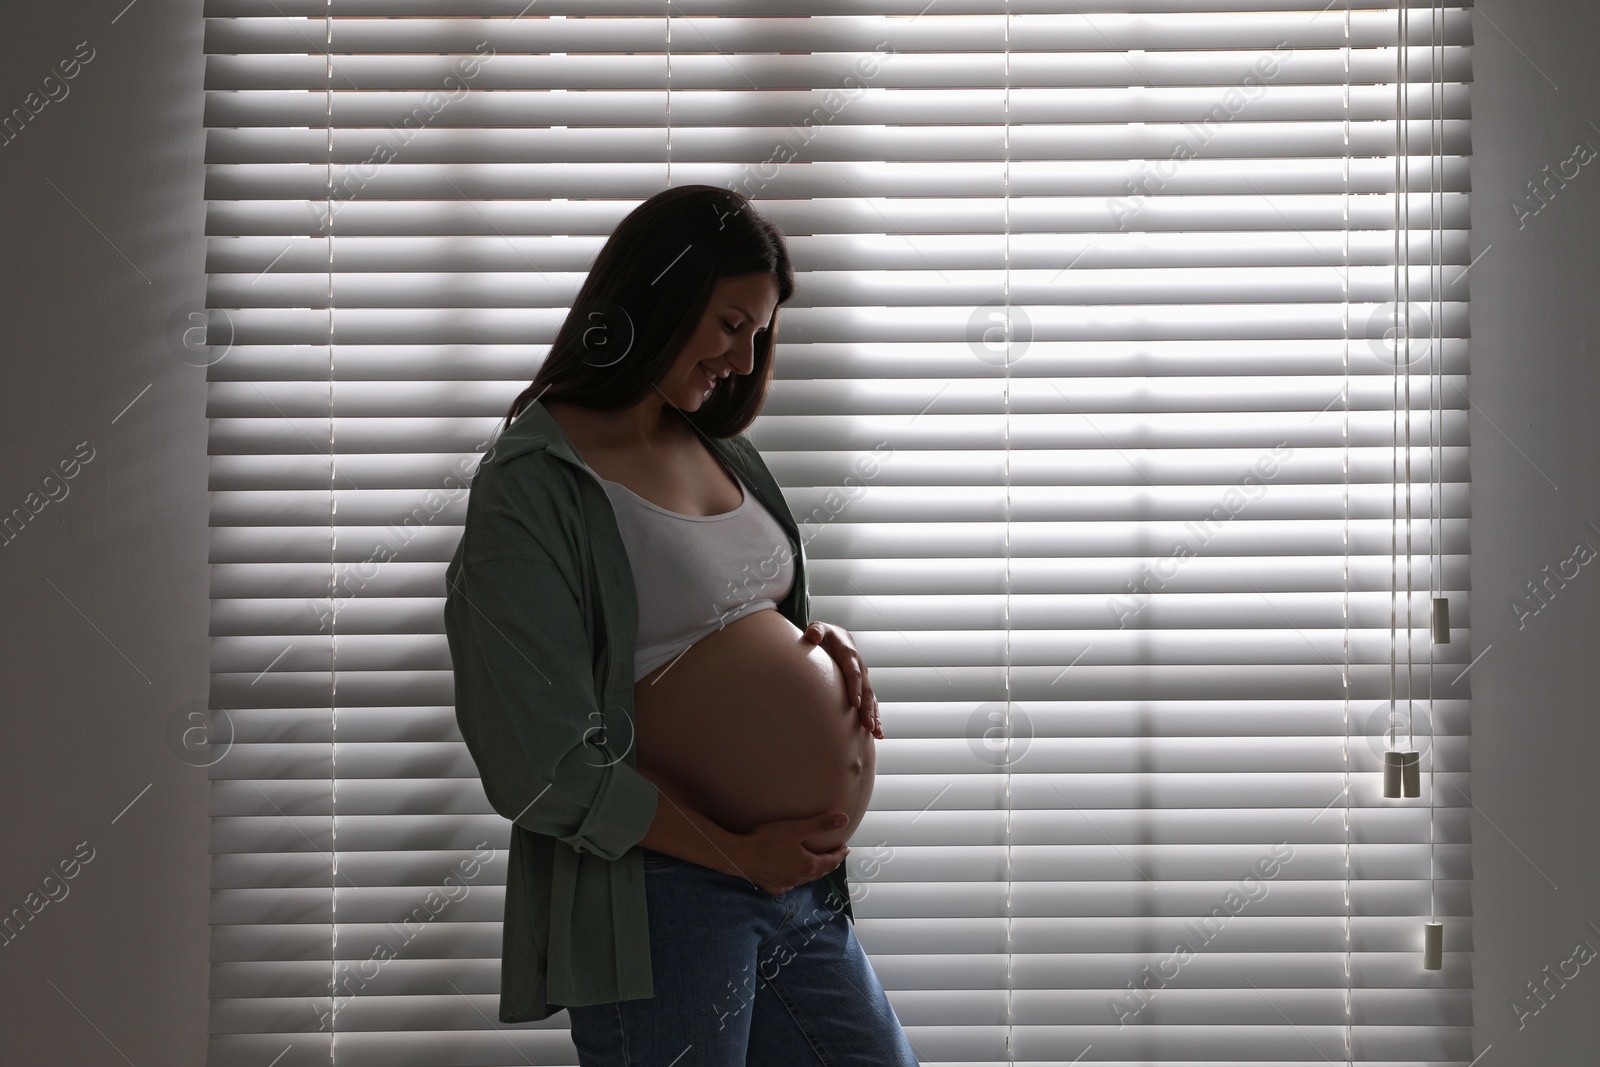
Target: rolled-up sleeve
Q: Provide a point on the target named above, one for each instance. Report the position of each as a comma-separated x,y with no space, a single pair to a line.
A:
525,688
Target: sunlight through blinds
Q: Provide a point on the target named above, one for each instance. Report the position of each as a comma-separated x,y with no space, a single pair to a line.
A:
1150,316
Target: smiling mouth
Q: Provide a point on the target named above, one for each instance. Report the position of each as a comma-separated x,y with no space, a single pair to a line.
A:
711,379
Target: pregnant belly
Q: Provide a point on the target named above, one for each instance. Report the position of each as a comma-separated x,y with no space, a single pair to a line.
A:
753,724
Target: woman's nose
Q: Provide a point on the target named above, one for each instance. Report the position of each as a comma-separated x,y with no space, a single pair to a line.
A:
744,355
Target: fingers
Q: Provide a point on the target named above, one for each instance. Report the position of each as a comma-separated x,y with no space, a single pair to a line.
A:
834,860
862,697
851,666
826,869
870,718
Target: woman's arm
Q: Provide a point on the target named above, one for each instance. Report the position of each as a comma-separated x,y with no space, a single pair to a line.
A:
771,857
679,829
527,700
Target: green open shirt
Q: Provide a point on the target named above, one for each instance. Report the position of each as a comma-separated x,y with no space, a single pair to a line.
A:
541,619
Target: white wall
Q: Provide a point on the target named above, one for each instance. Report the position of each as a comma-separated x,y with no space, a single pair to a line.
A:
89,697
1534,385
102,231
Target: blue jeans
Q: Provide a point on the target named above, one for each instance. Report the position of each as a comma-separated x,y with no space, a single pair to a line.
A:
742,976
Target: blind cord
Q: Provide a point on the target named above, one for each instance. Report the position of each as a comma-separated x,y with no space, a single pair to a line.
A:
1005,206
1435,382
1392,737
669,93
333,598
1405,335
1345,605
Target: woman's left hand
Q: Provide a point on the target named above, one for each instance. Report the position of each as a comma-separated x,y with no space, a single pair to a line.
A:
837,642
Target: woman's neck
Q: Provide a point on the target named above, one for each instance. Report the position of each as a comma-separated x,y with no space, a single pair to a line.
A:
649,424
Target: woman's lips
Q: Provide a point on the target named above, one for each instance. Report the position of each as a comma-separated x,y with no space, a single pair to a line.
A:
711,379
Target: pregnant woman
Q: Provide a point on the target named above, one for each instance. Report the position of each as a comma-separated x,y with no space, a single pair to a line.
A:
682,751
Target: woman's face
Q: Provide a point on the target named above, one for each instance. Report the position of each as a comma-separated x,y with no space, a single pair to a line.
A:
724,343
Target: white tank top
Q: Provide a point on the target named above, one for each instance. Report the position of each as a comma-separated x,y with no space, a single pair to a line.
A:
694,574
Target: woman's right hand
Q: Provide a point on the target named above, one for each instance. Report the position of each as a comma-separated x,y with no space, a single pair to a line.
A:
773,857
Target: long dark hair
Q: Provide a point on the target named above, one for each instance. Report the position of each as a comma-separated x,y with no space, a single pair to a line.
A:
644,298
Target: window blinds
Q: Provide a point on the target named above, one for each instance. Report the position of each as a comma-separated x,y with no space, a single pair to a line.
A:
1120,295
